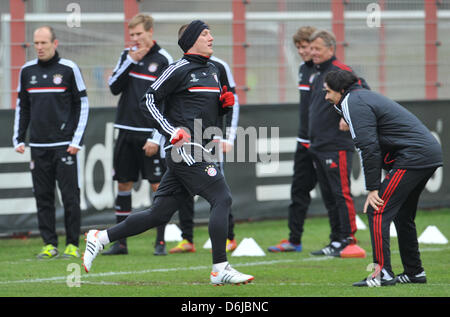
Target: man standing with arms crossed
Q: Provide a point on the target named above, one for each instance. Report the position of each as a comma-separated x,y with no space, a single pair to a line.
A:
137,149
304,179
53,103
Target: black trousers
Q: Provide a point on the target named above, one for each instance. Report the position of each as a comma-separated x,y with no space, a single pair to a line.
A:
186,216
179,183
400,191
47,167
304,180
333,171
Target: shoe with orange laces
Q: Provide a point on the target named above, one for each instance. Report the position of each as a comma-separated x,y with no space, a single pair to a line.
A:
231,245
230,276
183,247
93,248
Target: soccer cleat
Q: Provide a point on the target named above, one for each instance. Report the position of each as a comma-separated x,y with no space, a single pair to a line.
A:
285,246
375,282
230,276
116,249
231,245
48,252
93,247
183,247
404,278
330,250
71,251
160,248
353,251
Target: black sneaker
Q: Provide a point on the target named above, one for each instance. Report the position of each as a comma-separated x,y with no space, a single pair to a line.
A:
404,278
116,249
160,248
375,282
330,250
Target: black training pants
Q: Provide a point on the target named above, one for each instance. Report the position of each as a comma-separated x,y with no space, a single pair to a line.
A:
333,171
400,191
47,167
186,216
173,191
304,180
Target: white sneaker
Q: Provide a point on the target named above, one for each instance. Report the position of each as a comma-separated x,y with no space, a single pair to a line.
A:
93,247
230,276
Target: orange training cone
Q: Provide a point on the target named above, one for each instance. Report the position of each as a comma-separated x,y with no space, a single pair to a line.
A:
353,251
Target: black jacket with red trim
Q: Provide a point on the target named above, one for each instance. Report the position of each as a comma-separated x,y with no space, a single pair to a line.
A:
189,89
305,78
324,133
131,80
52,102
387,135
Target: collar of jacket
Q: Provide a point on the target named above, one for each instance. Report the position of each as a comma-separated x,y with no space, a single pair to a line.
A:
309,63
51,61
352,87
197,58
325,64
155,48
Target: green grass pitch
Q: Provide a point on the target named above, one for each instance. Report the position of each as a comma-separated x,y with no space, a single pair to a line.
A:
141,274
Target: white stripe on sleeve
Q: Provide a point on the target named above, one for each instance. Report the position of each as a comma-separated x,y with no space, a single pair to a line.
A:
84,113
346,115
76,71
16,123
120,69
166,55
156,114
169,70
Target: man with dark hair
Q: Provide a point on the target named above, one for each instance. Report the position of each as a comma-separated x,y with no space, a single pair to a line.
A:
191,91
53,103
137,149
387,136
332,150
304,179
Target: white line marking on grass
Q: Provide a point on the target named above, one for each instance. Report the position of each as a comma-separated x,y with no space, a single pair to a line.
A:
192,268
164,270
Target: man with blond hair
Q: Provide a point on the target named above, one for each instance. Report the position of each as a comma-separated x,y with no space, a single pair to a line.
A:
137,151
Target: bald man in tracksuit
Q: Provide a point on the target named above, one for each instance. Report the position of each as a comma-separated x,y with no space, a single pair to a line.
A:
388,136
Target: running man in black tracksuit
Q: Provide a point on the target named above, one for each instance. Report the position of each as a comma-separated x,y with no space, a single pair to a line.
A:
138,149
304,178
332,150
53,103
388,136
191,90
227,123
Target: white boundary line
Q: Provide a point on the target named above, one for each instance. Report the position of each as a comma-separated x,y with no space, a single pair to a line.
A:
193,268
